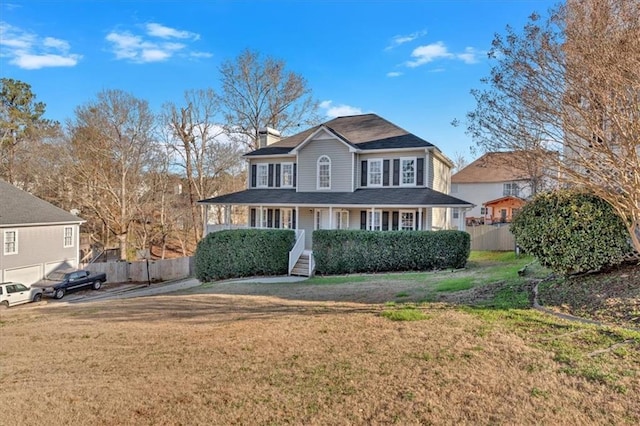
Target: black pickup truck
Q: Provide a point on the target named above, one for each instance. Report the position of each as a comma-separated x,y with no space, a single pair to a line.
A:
58,283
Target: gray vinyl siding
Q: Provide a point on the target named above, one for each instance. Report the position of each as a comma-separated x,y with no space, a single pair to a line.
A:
341,165
40,245
392,156
441,175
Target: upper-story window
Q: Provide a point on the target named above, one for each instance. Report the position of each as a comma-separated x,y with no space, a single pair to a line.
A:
375,173
286,178
263,175
510,189
11,242
68,236
324,172
407,171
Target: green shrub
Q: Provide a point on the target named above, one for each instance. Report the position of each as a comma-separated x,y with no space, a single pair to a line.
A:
348,251
243,252
571,232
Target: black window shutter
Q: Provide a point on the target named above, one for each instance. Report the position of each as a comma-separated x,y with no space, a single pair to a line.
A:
396,172
277,218
293,213
294,176
270,175
270,218
254,171
385,221
363,173
395,221
385,172
363,219
252,221
278,175
420,172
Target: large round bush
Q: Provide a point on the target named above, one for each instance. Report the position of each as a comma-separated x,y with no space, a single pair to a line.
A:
571,232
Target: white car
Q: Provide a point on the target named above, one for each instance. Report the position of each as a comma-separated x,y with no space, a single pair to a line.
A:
15,294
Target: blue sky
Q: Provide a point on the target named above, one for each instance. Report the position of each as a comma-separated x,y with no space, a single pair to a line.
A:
412,62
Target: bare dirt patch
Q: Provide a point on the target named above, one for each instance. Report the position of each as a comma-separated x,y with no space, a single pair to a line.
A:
238,359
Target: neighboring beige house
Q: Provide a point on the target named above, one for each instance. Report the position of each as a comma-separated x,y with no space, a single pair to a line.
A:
355,172
495,185
36,237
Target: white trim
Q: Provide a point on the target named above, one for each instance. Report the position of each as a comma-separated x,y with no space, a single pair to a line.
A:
15,242
320,129
318,187
375,160
64,237
282,185
415,171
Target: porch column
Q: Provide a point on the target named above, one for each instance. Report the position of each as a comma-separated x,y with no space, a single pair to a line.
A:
420,219
297,216
260,218
205,207
227,215
372,222
330,217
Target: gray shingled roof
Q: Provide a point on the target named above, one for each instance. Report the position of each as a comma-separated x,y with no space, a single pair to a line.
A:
366,132
365,197
18,207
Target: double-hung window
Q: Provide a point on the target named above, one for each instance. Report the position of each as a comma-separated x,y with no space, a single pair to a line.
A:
374,221
407,171
262,180
68,236
286,221
286,178
407,221
375,173
11,242
510,189
263,218
342,219
324,172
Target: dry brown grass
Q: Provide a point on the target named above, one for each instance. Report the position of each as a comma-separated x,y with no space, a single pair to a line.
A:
230,359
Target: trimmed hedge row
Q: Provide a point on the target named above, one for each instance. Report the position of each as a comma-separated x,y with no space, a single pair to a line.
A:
348,251
243,252
571,232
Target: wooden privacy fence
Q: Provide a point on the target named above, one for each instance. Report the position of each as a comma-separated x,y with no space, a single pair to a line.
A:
492,237
159,270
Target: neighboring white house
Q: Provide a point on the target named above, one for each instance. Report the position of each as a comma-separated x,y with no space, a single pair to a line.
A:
355,172
36,237
496,186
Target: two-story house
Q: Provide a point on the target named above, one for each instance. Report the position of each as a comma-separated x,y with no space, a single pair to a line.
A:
36,237
354,172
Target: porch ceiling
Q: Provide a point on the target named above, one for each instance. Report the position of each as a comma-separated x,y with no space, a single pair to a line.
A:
419,197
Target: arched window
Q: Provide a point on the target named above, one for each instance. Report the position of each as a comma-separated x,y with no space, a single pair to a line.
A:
324,172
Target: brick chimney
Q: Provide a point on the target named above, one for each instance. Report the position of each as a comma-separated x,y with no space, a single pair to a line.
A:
268,136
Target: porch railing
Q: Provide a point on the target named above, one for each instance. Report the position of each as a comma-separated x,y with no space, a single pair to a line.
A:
297,249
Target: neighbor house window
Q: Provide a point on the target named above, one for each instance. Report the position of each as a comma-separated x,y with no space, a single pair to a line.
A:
263,175
375,173
324,172
11,242
408,171
286,179
342,219
407,221
510,189
374,221
483,210
68,236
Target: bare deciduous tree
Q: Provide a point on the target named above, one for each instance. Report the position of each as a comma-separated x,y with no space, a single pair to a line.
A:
201,144
571,83
259,93
112,145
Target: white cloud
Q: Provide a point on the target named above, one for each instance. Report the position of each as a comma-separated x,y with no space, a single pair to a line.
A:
428,53
470,56
154,46
29,51
394,74
158,30
339,110
402,39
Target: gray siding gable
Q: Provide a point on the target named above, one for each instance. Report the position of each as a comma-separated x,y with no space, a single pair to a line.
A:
341,165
